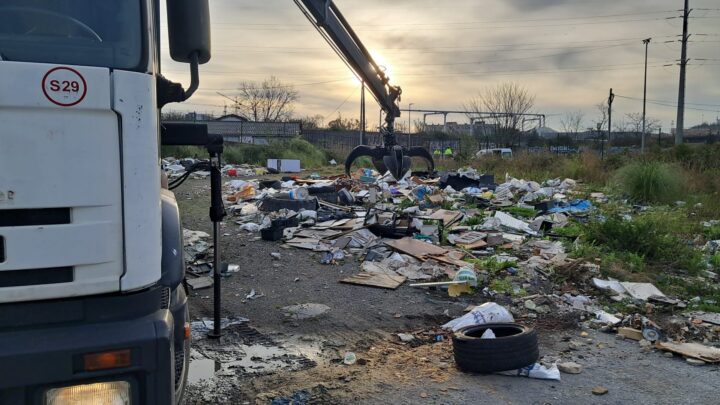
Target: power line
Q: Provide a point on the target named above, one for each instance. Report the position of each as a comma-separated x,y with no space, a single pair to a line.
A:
341,105
433,74
445,23
668,104
288,86
480,26
593,68
525,57
416,51
493,46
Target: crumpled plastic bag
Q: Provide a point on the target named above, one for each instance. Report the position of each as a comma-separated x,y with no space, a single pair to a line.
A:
488,334
250,227
488,312
536,370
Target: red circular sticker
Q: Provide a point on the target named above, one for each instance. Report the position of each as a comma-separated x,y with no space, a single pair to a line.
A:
64,86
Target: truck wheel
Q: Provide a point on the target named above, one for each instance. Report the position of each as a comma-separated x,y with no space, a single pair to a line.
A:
514,346
182,364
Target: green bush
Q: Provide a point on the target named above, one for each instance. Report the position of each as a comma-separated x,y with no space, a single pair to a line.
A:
296,148
656,238
651,182
527,213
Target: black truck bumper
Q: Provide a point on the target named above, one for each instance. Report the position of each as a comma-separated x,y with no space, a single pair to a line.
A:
38,353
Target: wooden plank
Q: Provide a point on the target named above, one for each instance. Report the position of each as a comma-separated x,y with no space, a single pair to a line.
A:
695,350
449,260
317,234
472,246
415,248
438,283
448,217
379,280
342,242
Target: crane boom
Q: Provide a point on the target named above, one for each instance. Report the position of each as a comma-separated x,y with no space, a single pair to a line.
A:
332,25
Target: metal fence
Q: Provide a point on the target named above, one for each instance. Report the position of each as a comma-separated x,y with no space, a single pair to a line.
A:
345,141
259,133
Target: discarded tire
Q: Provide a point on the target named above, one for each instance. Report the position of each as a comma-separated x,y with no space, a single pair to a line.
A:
515,346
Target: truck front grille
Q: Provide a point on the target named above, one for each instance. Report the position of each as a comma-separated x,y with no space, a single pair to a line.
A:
165,298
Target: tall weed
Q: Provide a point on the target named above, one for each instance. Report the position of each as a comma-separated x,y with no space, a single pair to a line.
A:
651,182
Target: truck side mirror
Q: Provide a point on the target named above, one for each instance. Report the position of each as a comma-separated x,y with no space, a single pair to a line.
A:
189,30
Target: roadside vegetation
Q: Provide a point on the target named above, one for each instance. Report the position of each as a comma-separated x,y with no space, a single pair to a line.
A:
310,156
653,228
658,219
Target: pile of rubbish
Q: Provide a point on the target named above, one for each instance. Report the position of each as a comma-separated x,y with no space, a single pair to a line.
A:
175,168
463,232
437,231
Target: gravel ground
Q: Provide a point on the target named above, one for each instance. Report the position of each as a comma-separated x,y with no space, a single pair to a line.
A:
363,320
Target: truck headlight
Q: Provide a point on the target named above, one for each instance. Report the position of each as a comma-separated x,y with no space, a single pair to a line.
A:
105,393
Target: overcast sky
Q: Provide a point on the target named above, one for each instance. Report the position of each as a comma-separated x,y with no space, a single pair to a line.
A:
566,52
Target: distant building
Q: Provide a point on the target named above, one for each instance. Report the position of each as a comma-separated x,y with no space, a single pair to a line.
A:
194,116
453,128
545,132
232,118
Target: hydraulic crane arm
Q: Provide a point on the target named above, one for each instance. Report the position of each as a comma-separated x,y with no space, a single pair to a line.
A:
333,26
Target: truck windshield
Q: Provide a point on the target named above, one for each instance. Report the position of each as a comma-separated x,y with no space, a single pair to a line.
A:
105,33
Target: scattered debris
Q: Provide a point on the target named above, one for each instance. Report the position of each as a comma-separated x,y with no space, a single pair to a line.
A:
570,367
349,359
692,350
599,390
488,312
200,283
630,333
306,311
537,371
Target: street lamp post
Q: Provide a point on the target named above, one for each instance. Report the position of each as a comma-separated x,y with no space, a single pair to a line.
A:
642,136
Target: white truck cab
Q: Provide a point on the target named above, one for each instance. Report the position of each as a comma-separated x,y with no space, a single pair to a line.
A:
91,300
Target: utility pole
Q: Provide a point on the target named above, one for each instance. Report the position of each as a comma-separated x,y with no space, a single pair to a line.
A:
611,98
602,141
642,135
362,113
409,122
683,63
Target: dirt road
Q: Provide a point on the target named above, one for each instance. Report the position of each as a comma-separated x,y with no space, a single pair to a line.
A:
276,357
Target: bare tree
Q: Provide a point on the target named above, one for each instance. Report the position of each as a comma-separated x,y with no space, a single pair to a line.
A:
602,119
420,126
635,123
344,124
572,122
271,100
621,125
312,122
506,103
172,115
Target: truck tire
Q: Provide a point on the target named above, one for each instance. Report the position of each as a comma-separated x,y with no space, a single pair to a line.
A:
515,346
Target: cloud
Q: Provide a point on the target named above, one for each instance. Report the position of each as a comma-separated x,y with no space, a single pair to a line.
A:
444,52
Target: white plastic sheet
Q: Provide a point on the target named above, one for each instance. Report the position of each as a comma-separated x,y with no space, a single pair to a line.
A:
537,371
488,312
